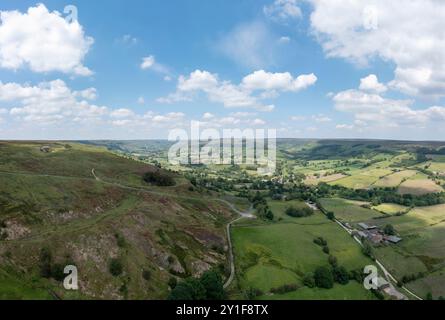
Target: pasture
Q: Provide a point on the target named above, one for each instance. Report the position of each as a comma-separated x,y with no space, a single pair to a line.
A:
349,211
419,187
273,255
395,179
363,179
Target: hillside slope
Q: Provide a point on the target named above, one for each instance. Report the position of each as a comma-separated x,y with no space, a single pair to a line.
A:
85,206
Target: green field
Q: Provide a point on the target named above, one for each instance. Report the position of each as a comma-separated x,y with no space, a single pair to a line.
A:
272,255
348,211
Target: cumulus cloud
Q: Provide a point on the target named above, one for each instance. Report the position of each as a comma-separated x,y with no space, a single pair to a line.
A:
50,102
53,105
373,107
147,62
262,80
371,83
408,33
283,10
43,41
238,96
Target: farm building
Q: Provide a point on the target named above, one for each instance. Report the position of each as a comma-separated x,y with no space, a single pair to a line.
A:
393,239
364,226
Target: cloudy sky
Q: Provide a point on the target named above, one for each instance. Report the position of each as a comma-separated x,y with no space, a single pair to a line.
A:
137,69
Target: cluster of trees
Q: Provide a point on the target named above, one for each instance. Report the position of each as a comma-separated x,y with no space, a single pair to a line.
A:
50,269
262,208
390,230
208,287
325,277
375,195
299,212
322,243
285,289
159,178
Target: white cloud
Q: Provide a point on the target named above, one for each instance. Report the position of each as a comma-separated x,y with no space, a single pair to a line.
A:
262,80
371,83
283,10
344,127
128,40
373,107
321,118
89,94
250,45
49,102
408,33
208,116
258,122
122,113
242,114
171,117
43,41
237,96
298,118
284,40
147,62
150,63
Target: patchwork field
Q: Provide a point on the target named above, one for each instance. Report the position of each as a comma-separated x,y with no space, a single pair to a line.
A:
395,179
273,255
363,179
313,180
421,251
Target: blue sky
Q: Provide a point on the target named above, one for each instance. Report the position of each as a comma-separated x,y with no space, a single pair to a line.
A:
307,68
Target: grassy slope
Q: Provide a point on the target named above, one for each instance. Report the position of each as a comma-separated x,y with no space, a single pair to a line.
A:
52,200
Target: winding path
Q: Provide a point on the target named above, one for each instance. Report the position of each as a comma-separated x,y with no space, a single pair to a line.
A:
248,215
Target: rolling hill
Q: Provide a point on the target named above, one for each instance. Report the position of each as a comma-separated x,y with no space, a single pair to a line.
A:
70,203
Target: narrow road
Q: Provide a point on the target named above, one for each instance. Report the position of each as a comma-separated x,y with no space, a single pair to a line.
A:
243,215
387,274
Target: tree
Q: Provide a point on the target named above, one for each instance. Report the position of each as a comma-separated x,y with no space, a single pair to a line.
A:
429,296
367,250
389,230
341,275
324,278
299,212
309,280
159,178
326,249
330,215
213,285
190,289
115,267
332,260
172,282
252,293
